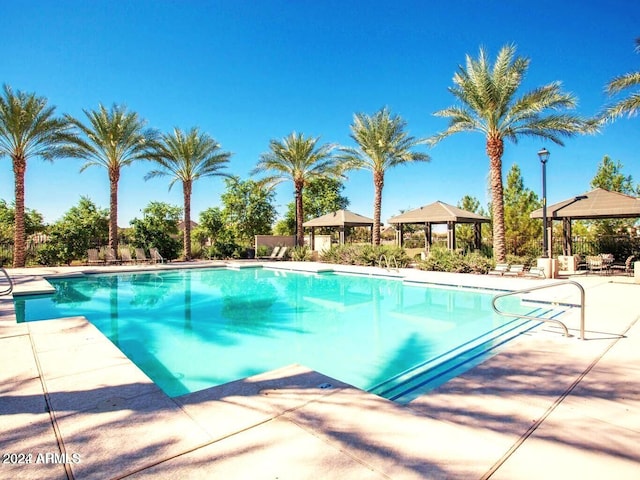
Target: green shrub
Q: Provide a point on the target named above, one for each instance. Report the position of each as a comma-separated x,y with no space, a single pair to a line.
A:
263,251
300,254
367,255
444,260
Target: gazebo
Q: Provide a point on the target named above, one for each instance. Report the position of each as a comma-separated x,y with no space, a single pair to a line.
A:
339,219
593,205
439,213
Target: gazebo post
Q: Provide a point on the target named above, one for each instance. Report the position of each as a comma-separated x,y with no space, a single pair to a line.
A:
400,235
341,235
566,234
428,239
451,235
477,235
312,239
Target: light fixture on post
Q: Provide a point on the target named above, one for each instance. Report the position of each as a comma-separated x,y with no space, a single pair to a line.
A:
544,156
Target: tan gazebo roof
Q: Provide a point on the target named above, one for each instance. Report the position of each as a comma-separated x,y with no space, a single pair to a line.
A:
341,218
438,212
598,203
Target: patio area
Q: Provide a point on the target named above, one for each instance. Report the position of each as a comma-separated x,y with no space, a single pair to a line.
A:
545,406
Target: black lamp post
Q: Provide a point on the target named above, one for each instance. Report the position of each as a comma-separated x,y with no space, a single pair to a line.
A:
544,156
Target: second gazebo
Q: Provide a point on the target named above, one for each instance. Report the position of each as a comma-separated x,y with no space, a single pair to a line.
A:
439,213
339,219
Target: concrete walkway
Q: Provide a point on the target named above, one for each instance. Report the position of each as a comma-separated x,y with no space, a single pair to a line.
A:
546,406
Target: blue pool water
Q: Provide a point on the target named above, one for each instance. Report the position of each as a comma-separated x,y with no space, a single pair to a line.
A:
193,329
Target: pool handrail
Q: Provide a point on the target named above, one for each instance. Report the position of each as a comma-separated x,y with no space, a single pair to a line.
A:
387,263
550,320
7,290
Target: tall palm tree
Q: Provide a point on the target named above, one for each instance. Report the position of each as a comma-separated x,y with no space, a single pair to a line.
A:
28,128
186,157
300,160
488,105
625,106
115,138
382,144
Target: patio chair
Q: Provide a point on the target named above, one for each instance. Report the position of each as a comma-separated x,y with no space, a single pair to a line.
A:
273,255
594,263
627,268
125,255
500,269
93,258
514,271
141,256
535,272
155,255
110,256
281,253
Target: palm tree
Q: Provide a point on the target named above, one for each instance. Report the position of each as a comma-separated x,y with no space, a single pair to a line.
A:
28,128
301,160
115,138
626,106
489,106
382,144
187,157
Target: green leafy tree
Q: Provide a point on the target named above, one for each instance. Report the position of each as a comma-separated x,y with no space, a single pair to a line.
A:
628,105
299,159
464,232
248,209
29,128
320,196
187,157
114,139
158,228
33,221
521,230
382,144
488,105
610,176
210,224
81,227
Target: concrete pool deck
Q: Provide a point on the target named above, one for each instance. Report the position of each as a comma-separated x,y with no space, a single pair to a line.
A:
545,406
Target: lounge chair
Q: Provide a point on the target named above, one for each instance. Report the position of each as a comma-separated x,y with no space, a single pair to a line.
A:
125,255
141,256
535,272
110,256
514,271
500,269
627,268
155,255
93,258
281,253
273,255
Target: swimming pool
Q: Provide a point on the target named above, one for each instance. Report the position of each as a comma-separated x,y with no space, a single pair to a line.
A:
193,329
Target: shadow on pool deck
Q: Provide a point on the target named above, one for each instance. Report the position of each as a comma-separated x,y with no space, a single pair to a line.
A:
544,407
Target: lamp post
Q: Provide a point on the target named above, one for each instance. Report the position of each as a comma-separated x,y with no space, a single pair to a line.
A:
544,156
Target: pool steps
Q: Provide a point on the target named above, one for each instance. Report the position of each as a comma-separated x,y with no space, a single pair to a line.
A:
421,378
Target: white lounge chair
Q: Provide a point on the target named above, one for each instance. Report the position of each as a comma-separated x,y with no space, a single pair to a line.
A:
155,255
500,269
93,258
141,256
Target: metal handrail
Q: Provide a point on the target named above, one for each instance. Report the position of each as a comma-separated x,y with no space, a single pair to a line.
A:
388,262
531,317
9,288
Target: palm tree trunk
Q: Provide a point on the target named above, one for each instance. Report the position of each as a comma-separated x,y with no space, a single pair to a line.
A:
378,184
299,213
495,149
114,177
186,189
19,236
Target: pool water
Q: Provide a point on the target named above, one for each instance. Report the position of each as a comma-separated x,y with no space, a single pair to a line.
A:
193,329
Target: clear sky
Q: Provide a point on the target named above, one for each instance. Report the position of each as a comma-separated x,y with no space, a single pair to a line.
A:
249,71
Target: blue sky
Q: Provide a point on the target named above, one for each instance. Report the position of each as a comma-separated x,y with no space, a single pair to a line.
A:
249,71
